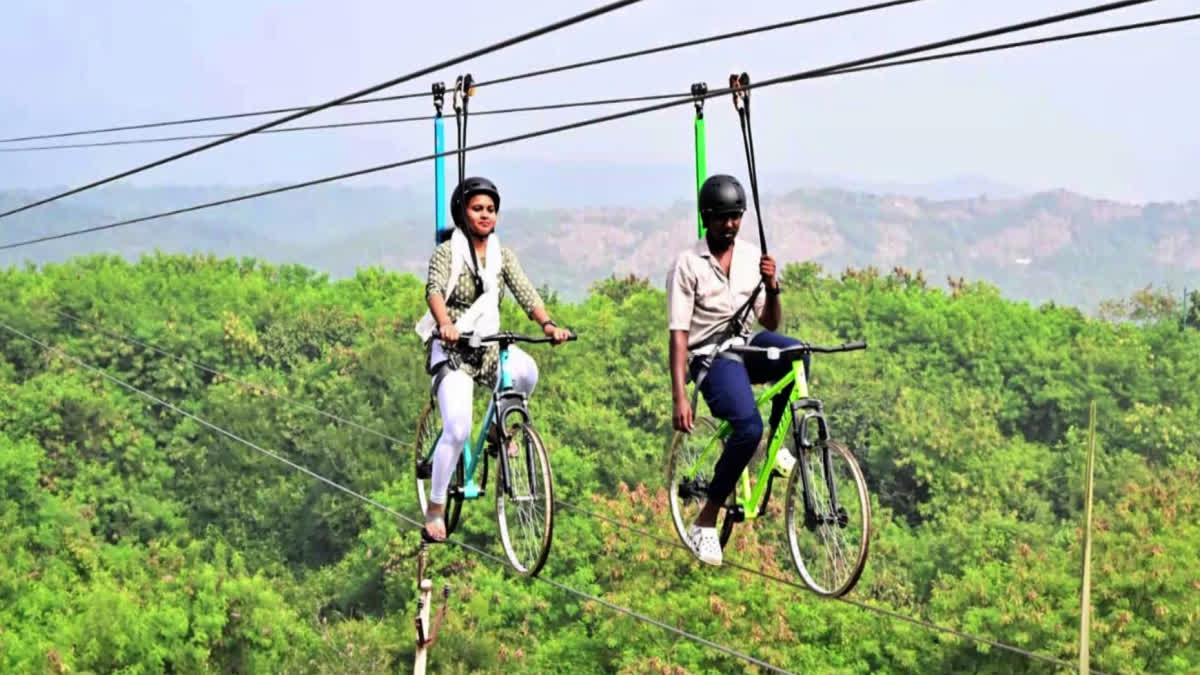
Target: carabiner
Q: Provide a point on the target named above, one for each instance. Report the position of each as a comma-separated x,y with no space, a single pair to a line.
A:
439,97
739,88
464,88
699,93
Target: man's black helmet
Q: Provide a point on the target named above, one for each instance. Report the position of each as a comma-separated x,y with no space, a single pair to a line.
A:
720,195
467,189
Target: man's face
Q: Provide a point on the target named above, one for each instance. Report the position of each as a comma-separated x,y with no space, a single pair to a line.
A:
723,228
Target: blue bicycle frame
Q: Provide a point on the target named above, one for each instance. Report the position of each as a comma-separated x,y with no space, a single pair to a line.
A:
473,451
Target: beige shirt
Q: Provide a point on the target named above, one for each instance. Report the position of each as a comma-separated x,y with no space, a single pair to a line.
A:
700,298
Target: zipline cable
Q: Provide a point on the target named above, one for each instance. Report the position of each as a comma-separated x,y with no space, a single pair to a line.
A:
233,378
672,543
851,66
510,78
343,125
558,25
387,509
855,603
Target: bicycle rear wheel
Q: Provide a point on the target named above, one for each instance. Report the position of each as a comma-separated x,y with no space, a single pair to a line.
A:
829,546
429,430
525,507
688,495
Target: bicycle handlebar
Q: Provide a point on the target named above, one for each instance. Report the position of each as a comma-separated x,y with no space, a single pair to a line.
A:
472,341
773,353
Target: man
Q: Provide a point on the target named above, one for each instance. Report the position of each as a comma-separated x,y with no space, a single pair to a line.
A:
707,286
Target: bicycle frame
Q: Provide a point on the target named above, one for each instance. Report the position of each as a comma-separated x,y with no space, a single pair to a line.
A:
751,499
505,401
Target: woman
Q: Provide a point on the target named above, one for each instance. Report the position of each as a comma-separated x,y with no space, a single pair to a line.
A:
463,292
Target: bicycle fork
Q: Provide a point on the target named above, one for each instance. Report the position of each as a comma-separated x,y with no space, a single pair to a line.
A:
508,403
805,411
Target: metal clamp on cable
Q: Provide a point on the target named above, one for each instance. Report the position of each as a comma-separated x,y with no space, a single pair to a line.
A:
699,93
464,88
439,96
738,88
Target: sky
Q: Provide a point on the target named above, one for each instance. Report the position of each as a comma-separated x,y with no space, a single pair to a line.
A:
1112,116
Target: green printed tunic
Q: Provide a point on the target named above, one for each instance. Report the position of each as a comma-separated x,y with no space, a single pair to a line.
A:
480,365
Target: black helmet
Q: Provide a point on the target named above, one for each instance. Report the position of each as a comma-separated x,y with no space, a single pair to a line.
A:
721,194
467,189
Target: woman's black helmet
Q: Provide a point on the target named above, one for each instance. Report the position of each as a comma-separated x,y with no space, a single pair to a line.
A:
721,195
467,189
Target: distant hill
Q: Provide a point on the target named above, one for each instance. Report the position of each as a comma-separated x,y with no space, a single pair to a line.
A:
1054,245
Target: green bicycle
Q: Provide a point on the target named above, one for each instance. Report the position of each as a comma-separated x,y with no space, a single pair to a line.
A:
828,511
524,484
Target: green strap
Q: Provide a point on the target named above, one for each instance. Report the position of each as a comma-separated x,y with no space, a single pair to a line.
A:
699,91
701,170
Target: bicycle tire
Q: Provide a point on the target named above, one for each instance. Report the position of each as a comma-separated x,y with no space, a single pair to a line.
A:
526,540
820,534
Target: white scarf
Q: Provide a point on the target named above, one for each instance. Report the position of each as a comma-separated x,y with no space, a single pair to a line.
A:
483,316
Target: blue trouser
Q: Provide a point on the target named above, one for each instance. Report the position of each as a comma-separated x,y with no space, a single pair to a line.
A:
727,391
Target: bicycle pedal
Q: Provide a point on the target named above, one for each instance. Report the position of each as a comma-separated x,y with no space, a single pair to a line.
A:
785,461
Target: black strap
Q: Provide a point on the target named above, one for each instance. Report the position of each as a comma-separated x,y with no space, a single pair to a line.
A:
739,87
462,95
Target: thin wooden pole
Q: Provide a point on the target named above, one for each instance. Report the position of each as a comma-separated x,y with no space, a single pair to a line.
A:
1085,603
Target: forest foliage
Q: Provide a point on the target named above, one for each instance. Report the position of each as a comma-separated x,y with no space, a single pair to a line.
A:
138,540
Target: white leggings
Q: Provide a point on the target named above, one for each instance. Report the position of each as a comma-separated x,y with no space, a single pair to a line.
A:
455,397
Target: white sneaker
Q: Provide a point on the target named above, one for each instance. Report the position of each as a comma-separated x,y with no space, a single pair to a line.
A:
785,461
705,543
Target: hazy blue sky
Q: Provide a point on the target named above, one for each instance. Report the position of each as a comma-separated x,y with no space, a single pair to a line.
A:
1113,116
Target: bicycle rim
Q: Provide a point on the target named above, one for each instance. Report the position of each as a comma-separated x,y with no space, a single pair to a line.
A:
526,516
686,450
428,432
830,552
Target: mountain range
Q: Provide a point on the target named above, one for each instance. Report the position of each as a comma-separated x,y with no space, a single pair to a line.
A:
1047,246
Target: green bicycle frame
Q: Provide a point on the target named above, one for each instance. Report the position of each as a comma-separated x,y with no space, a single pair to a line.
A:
750,498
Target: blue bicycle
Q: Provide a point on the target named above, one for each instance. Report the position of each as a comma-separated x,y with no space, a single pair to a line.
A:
524,484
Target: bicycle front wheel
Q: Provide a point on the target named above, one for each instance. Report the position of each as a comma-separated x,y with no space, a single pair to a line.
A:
428,432
829,532
525,506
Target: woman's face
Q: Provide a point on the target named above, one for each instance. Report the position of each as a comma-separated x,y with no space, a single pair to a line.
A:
481,216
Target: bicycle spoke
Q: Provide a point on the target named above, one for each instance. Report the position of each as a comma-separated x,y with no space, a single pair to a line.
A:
829,555
523,509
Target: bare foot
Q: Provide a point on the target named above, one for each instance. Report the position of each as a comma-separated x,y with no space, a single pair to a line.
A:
435,525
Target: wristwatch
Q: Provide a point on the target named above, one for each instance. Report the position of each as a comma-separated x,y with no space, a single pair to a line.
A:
773,291
548,322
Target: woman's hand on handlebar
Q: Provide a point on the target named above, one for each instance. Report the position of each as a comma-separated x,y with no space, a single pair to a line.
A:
448,332
557,335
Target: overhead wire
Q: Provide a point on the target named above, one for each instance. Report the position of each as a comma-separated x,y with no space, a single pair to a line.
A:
508,42
857,65
217,373
362,123
508,78
389,510
671,543
845,600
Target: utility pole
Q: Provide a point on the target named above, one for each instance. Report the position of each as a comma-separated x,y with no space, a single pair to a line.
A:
1085,601
425,637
